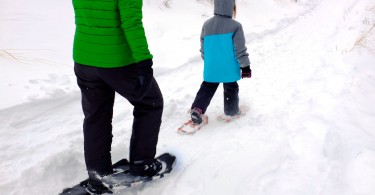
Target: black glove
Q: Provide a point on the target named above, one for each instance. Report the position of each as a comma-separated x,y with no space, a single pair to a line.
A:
246,72
146,63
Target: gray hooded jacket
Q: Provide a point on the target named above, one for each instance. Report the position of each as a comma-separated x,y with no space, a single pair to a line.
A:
223,45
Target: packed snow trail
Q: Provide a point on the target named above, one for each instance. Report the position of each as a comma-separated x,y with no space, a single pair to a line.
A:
298,79
302,135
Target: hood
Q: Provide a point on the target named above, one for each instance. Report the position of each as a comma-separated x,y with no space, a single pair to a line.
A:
224,7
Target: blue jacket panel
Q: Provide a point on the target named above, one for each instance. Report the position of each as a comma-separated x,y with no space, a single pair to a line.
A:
220,61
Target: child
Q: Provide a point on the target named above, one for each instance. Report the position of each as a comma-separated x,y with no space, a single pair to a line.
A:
225,55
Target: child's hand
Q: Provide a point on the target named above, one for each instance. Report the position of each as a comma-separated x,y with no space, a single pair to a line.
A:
246,72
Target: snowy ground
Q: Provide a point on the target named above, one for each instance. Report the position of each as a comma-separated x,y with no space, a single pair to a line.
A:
311,125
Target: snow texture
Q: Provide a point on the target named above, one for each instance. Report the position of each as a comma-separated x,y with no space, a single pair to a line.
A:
310,128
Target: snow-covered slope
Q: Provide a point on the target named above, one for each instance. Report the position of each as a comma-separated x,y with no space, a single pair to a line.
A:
310,129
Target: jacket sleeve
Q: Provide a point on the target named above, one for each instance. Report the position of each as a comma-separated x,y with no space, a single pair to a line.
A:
202,42
240,47
131,23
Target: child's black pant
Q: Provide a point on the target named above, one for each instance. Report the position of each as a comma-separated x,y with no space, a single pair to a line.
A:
98,86
207,91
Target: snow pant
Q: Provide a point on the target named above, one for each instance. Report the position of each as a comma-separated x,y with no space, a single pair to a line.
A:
207,91
98,86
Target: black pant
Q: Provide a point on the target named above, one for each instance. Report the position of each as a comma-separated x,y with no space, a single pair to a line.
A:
207,91
98,86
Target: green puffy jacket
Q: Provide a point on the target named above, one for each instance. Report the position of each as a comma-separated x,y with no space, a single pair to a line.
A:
109,33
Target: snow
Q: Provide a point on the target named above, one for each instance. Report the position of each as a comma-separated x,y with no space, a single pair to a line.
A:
310,128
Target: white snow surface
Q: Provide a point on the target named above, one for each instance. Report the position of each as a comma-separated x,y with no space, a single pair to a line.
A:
310,129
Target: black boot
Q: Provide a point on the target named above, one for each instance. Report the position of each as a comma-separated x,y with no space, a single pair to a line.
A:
196,114
96,184
142,169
